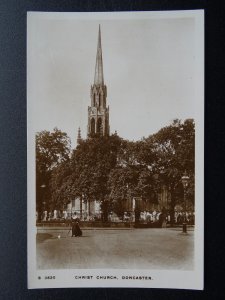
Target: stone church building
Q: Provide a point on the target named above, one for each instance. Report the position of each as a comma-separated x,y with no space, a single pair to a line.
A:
98,124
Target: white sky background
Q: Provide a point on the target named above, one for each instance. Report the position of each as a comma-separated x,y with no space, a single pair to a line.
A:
148,65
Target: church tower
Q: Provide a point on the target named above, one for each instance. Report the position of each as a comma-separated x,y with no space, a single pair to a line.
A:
98,112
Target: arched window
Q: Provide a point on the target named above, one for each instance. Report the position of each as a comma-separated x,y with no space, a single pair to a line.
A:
100,99
99,125
94,100
92,126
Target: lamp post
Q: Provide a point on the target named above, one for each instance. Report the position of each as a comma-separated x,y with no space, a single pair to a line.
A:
185,180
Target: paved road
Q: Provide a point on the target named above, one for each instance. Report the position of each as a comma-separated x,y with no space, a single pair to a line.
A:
152,248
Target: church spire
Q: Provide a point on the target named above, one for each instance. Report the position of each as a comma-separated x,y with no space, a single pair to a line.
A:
98,112
99,80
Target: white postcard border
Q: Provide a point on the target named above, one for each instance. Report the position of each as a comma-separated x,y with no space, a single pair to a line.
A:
159,278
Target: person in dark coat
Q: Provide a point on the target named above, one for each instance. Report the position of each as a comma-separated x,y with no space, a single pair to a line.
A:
73,227
76,231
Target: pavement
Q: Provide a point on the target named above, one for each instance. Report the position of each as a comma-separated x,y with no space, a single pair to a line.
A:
150,248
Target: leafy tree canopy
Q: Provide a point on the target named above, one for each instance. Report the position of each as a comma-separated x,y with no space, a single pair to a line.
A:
52,149
111,169
174,146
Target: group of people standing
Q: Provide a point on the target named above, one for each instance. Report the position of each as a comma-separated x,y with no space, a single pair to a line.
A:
154,216
143,216
160,217
188,217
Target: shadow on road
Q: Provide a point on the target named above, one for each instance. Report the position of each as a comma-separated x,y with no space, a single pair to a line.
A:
191,229
41,237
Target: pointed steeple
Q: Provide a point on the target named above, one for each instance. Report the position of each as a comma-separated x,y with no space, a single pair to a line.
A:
98,112
78,137
99,79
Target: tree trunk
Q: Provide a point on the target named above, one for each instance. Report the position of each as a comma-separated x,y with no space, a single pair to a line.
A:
39,212
81,198
105,211
89,208
137,216
172,206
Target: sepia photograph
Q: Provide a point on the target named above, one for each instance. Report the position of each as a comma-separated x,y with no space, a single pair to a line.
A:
115,130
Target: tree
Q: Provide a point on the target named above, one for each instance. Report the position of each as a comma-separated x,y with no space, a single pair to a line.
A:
175,151
112,170
132,176
119,185
52,149
91,163
59,183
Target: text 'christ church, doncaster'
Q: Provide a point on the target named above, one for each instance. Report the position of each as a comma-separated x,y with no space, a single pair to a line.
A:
98,112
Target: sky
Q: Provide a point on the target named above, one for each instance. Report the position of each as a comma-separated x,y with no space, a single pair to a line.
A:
150,64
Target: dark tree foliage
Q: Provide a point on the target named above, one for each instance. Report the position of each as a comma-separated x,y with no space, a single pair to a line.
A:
174,146
59,186
91,164
52,150
112,170
132,177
